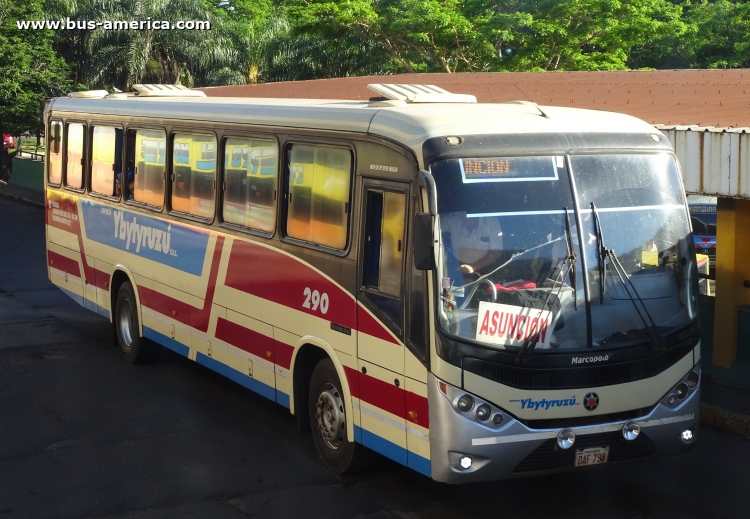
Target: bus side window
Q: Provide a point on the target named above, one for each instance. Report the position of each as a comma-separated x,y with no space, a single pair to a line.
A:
104,159
74,156
250,190
384,251
144,167
194,174
318,198
54,144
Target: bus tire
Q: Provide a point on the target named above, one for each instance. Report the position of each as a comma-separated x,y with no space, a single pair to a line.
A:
328,422
134,348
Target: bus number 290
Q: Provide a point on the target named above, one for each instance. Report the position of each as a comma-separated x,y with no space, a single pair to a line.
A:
314,299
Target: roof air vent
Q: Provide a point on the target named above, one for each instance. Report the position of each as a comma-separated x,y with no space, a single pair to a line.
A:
417,94
166,91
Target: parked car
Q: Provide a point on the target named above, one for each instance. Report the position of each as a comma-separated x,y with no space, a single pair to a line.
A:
8,141
703,219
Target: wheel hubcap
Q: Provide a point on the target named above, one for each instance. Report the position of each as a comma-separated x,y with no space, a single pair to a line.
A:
331,417
126,324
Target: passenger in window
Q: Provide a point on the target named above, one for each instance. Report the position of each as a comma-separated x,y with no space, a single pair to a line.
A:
131,183
473,243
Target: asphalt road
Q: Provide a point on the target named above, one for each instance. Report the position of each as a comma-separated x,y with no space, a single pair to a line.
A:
84,434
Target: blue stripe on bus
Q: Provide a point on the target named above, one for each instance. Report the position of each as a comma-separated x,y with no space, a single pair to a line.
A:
175,245
420,464
236,376
165,341
282,398
392,451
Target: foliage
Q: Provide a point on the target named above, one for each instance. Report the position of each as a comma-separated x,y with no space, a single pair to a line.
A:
483,35
721,36
29,68
119,58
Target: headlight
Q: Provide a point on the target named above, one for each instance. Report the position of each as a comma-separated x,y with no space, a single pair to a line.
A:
483,412
465,403
681,390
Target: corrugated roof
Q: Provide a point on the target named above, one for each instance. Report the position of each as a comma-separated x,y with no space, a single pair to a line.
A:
718,98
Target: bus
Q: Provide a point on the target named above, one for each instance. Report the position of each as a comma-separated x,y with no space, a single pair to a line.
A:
476,291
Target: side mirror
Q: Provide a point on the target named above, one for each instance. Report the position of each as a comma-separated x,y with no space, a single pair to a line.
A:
424,241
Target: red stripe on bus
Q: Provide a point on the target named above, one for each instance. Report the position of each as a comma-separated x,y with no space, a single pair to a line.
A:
384,395
282,354
352,377
63,263
388,397
366,323
183,312
244,339
419,405
288,281
65,217
200,317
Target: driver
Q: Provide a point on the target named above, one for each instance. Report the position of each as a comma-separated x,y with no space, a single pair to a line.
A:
476,242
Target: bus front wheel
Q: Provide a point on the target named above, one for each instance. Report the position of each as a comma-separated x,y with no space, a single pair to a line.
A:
133,347
328,422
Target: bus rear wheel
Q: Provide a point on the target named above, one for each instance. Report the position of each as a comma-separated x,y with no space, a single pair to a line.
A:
328,422
132,345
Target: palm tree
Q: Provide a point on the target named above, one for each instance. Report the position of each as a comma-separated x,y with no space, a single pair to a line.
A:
123,57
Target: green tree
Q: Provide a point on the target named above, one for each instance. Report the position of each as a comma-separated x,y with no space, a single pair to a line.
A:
245,10
478,35
721,36
122,57
30,70
588,34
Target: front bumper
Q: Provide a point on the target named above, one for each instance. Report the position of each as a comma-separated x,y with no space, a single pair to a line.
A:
514,450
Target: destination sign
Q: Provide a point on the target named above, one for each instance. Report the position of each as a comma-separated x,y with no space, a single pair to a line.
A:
510,169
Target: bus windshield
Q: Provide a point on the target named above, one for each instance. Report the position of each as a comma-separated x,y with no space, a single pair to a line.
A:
514,247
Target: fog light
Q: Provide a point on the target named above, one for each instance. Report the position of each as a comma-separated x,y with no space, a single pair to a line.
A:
687,435
465,462
672,399
692,379
483,412
630,431
681,390
566,438
465,403
497,419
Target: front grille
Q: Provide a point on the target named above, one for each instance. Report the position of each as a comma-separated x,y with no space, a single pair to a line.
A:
582,421
549,456
578,377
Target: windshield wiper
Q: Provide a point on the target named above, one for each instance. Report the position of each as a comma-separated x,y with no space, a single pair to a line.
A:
530,343
574,258
603,253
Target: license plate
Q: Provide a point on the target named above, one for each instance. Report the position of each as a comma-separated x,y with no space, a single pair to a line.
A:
591,456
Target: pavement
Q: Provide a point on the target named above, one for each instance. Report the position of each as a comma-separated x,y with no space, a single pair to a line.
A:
21,194
724,408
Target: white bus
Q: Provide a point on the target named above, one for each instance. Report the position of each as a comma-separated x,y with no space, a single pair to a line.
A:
476,291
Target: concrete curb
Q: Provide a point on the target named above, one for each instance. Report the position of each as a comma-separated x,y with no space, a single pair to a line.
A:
20,198
717,417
